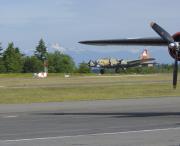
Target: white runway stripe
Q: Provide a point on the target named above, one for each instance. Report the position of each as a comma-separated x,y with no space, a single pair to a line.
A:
10,116
96,134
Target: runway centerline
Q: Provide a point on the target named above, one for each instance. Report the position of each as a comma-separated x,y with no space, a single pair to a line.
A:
96,134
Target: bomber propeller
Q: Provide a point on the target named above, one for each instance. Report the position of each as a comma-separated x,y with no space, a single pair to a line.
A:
172,44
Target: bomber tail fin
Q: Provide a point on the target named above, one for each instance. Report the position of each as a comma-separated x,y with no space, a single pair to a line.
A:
144,55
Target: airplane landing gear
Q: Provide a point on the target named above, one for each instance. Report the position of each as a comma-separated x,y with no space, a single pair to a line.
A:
117,70
102,71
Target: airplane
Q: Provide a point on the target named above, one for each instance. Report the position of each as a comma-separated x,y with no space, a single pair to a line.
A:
165,39
112,63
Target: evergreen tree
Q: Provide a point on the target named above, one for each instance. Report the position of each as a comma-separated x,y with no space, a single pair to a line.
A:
41,50
2,67
12,59
1,49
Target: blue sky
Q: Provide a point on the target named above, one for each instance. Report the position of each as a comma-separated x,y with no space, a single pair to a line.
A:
63,23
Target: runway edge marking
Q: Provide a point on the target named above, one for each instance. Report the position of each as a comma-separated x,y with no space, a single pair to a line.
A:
96,134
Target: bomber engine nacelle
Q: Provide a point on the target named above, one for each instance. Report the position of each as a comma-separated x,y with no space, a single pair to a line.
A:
172,51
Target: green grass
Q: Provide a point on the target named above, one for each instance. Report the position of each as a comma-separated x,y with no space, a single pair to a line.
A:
25,89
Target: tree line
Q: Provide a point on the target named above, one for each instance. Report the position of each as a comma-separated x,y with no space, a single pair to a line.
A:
13,61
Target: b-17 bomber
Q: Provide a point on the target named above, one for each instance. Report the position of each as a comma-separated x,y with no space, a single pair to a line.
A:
117,64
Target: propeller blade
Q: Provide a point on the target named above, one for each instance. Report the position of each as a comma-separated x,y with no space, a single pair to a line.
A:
164,34
89,62
175,73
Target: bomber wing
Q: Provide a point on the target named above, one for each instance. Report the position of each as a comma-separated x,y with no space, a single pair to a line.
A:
151,41
140,61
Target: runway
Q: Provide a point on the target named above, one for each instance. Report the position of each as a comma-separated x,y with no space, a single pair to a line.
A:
152,121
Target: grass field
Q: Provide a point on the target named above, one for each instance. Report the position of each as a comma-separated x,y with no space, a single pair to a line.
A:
23,88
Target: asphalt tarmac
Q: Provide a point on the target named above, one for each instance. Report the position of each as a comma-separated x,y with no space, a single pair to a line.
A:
152,121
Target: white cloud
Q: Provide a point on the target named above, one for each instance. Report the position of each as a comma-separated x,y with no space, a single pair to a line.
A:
58,47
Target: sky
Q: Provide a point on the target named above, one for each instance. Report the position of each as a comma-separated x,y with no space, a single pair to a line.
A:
63,23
